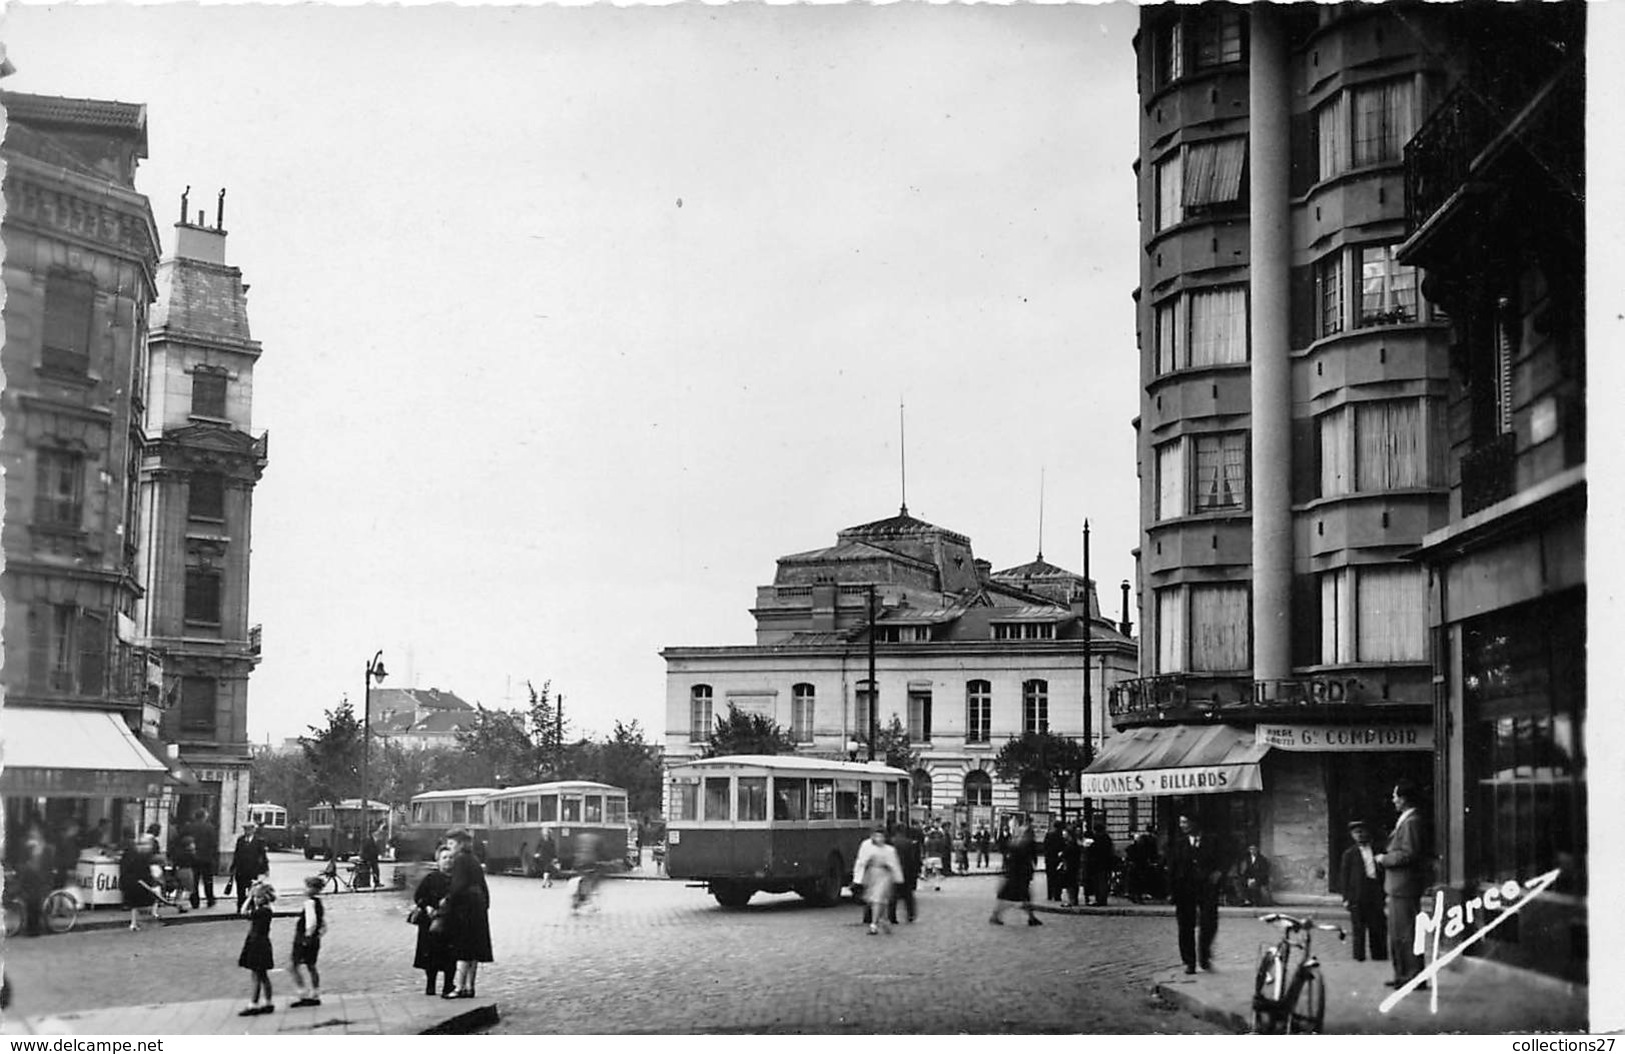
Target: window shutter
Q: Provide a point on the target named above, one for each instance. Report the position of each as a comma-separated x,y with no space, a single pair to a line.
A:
1301,286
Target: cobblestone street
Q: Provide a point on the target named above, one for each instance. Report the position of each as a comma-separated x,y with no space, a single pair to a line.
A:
660,957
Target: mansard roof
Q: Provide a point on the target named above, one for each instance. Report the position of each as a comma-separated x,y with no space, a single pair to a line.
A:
78,115
901,525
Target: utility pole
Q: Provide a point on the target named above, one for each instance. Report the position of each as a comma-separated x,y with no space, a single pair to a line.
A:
874,689
1088,656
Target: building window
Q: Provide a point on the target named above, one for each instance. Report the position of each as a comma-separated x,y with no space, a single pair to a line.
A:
1378,445
1332,138
203,596
1033,794
59,487
1220,626
67,649
1035,706
1391,614
1170,190
1221,472
1218,37
1212,173
699,713
802,699
978,788
206,496
978,711
1329,293
863,712
1171,480
198,705
1336,617
1384,121
208,393
919,716
919,787
70,302
1218,326
1023,631
1171,630
1170,335
1168,47
1387,287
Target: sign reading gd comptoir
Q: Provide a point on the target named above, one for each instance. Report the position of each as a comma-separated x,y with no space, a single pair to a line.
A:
1341,738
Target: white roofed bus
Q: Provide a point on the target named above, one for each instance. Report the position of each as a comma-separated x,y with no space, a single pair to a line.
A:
751,823
532,826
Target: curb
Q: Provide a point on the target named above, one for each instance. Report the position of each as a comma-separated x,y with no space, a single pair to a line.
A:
1179,999
469,1021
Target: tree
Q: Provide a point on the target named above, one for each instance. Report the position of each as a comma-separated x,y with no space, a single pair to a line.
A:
626,760
892,746
500,748
284,779
334,755
1057,760
742,733
546,730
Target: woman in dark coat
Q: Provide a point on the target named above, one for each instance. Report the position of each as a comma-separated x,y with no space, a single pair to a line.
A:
1020,861
135,878
433,951
467,905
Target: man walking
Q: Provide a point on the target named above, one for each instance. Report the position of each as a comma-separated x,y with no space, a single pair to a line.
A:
1196,873
1361,882
248,862
908,856
207,846
1406,859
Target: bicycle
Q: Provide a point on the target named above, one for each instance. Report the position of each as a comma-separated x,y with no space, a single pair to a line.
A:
1288,994
60,910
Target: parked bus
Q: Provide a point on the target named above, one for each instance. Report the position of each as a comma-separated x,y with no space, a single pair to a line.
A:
777,824
335,831
272,822
431,814
520,819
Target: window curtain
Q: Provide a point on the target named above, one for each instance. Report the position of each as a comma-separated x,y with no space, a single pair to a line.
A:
1329,293
1219,628
1332,132
1171,630
1218,320
1220,471
1168,333
1336,618
1387,287
1170,183
1213,171
1233,470
1384,120
1335,474
1391,445
1392,614
1171,480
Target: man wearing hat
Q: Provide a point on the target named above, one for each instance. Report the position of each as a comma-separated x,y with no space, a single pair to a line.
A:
1362,893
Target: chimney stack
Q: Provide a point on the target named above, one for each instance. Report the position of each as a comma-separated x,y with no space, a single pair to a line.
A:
1128,626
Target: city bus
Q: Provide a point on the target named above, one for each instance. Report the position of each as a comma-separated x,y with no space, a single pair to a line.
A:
335,831
272,822
520,819
431,814
777,824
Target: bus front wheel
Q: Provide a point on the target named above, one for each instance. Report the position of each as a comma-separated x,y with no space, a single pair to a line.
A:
732,894
827,889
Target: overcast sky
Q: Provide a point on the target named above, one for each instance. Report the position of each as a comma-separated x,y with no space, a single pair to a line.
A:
576,319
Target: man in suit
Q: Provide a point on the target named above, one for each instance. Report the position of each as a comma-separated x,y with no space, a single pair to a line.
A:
248,862
908,855
207,843
1053,844
1406,860
1196,866
1361,881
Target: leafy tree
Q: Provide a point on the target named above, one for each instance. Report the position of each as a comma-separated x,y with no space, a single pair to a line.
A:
284,779
891,746
742,733
547,730
334,755
499,748
399,772
1055,759
627,760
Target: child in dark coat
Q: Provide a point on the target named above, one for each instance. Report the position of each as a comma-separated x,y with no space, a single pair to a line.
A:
256,957
307,942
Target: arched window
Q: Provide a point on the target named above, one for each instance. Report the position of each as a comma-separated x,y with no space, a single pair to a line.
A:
920,788
1034,793
978,788
802,698
978,711
1035,706
699,713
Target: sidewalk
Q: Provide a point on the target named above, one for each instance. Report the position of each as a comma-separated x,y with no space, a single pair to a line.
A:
290,889
343,1014
1474,996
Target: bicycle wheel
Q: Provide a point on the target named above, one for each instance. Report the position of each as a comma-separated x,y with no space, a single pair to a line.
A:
1309,1008
61,912
14,917
1269,985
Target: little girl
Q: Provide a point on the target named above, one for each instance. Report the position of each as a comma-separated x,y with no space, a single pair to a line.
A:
256,956
307,941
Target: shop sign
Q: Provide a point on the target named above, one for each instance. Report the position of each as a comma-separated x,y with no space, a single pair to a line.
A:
1199,779
1346,738
80,783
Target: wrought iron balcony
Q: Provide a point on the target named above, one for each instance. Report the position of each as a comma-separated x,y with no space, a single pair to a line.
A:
1194,695
1487,473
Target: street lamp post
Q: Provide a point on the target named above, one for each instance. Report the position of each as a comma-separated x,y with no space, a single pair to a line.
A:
375,669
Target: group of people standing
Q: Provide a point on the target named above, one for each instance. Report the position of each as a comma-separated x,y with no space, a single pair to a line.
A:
452,905
1078,863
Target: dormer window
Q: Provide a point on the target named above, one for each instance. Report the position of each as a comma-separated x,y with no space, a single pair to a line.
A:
902,634
1024,631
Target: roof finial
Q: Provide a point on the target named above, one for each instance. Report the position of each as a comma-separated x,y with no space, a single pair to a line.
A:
902,455
1041,512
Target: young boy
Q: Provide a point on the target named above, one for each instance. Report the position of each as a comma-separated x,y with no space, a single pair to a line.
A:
307,942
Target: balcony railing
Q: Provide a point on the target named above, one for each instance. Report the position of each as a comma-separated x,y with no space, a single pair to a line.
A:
1487,473
1173,695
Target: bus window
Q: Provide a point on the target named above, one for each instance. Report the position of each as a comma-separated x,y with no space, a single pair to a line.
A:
550,808
595,809
459,812
866,809
823,800
716,798
685,801
572,810
533,810
752,798
476,812
789,798
877,797
615,810
846,799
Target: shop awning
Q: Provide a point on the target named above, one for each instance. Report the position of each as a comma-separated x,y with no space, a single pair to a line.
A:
1176,759
52,753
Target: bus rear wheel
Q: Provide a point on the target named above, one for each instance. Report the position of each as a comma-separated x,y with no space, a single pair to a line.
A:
732,894
826,890
310,854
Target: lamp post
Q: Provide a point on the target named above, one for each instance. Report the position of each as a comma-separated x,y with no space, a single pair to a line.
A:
375,668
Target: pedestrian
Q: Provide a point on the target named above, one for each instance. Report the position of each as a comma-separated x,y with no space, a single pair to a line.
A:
1253,879
1361,881
1197,865
1071,866
433,953
1405,858
877,871
467,905
1100,860
1053,841
983,842
135,880
34,874
256,955
207,858
937,845
308,932
1020,862
547,860
184,857
962,849
1140,859
908,857
249,863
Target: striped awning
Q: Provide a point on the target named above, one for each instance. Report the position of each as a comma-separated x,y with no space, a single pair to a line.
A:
1176,759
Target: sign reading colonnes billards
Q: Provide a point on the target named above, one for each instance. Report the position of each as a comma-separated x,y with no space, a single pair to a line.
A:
95,783
1346,737
1200,779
